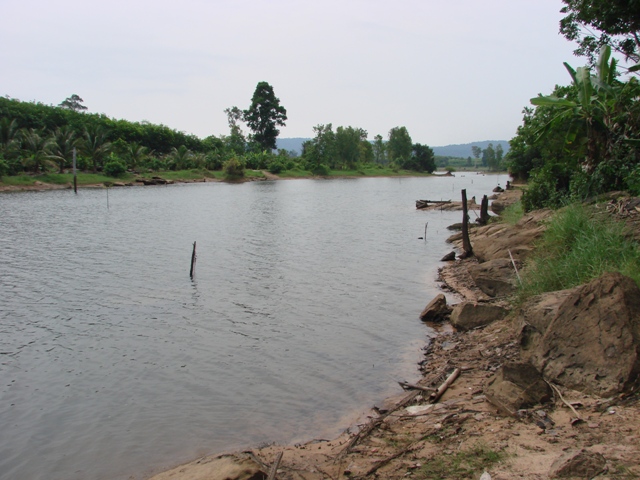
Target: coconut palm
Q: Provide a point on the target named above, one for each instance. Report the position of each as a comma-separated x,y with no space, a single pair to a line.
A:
9,138
36,148
135,154
95,145
65,142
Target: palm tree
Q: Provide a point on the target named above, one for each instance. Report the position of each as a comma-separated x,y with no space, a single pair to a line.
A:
135,154
181,157
37,150
65,142
9,138
95,145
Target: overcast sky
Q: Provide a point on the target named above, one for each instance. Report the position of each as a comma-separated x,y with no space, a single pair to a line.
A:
452,71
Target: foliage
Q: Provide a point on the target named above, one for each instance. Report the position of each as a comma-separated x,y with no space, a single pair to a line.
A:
36,150
74,102
596,23
114,168
581,140
379,150
264,116
234,168
578,246
513,213
399,145
422,159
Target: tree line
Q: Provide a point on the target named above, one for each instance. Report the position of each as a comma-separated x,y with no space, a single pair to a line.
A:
583,139
38,138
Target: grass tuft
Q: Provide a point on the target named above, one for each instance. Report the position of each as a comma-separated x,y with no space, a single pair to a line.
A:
577,247
463,464
513,213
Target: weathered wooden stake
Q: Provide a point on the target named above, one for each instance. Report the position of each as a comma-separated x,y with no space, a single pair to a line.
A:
107,197
466,243
75,177
425,231
193,260
484,210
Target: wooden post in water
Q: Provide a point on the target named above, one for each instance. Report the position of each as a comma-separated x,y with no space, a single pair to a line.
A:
75,177
425,231
193,260
466,243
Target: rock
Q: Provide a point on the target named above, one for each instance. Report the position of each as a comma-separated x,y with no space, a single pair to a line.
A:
517,386
582,464
455,226
496,278
449,257
117,184
437,310
498,189
468,315
496,240
589,338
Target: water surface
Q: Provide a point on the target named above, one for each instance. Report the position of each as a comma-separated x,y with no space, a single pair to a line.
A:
303,310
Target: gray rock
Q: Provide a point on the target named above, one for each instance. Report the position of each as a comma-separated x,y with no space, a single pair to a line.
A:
449,257
516,386
581,464
437,310
468,315
496,278
589,338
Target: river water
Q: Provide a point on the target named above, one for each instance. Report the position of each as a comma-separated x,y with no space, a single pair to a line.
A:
303,312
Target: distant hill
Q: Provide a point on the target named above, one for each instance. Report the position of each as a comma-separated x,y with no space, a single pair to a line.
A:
464,150
461,150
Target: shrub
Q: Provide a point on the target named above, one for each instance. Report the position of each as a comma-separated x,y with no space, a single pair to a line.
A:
114,168
322,170
234,168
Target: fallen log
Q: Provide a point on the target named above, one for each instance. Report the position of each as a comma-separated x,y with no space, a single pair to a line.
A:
426,203
435,396
409,386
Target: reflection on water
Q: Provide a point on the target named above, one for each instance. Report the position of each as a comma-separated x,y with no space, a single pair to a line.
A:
303,307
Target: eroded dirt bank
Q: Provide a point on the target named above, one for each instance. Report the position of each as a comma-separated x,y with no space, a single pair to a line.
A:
477,427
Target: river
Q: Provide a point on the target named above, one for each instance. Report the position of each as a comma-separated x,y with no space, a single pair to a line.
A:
302,313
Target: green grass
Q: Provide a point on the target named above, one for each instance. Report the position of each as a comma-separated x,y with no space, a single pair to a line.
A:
62,179
513,213
463,464
194,174
577,247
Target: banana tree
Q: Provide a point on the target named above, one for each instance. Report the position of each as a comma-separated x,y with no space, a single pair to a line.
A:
591,109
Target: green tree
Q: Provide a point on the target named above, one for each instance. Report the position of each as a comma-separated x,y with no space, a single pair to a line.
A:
62,149
348,147
399,145
320,152
596,23
422,159
9,138
264,116
36,148
379,150
477,152
74,102
95,145
499,154
135,154
489,157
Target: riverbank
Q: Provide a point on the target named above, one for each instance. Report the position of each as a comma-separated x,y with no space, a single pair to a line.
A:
464,433
65,181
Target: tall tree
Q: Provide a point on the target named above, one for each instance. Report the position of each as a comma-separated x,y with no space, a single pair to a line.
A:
399,145
476,151
379,149
348,141
595,23
74,102
422,159
264,116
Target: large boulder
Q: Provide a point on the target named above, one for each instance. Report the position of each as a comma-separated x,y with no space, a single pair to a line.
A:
468,315
496,278
588,339
437,310
516,386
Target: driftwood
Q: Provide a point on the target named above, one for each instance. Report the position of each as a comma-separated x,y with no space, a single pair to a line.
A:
409,386
274,467
435,396
385,461
374,423
428,203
